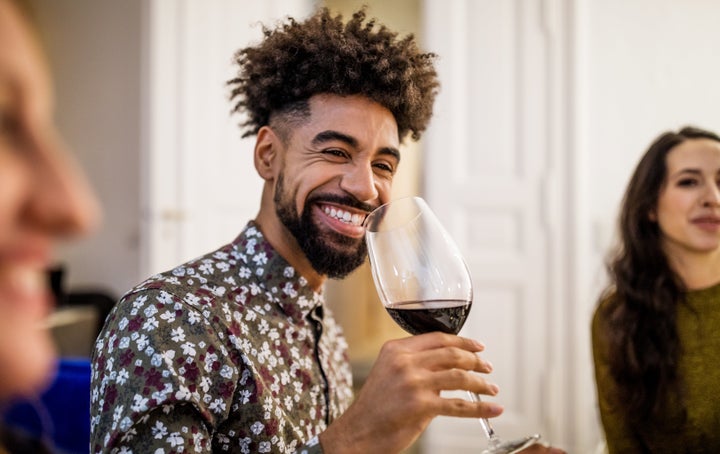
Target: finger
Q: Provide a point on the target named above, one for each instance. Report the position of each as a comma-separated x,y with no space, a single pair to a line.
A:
434,340
466,409
453,358
460,380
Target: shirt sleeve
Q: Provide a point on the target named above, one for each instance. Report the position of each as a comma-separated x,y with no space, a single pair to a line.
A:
161,377
619,435
166,429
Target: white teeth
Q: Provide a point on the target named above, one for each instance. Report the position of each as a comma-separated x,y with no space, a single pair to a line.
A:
345,216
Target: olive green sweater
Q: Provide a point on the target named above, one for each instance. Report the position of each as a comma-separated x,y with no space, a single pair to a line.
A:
699,331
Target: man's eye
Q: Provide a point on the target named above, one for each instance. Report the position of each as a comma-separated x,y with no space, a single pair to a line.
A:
384,167
335,152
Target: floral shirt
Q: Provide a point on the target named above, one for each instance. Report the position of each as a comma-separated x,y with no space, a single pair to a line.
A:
231,352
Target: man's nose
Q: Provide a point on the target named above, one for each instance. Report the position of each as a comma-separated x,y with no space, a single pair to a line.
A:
360,182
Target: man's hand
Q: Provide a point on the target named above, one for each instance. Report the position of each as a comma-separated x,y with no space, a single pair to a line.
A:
402,394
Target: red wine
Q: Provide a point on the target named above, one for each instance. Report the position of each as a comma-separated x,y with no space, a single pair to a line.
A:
417,317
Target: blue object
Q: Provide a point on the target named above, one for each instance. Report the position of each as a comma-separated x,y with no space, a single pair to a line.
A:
61,415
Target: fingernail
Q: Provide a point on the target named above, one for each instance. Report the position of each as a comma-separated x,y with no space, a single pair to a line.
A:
494,389
495,409
489,365
479,345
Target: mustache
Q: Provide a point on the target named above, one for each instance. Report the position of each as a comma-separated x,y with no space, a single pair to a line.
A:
347,200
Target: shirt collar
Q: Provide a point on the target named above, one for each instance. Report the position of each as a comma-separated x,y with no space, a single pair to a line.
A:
261,264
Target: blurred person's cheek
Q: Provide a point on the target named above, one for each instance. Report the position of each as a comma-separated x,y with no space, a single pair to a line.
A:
27,351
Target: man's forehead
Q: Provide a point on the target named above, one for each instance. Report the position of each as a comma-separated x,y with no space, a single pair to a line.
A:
356,116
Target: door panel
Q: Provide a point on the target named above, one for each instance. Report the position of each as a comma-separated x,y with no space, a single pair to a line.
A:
490,157
201,184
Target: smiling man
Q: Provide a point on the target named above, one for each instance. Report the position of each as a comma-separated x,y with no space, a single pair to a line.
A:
323,179
236,351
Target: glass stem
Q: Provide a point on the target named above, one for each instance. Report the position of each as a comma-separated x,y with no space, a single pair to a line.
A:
489,432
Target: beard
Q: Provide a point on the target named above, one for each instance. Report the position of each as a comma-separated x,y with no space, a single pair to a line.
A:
330,253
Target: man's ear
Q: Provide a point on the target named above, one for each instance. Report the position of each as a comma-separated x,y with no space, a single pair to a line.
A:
266,152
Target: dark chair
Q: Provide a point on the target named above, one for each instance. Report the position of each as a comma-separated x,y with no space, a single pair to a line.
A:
99,299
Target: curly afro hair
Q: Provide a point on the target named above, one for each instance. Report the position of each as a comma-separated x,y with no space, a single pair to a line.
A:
322,55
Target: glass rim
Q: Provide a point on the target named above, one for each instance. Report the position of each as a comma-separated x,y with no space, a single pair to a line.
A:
374,213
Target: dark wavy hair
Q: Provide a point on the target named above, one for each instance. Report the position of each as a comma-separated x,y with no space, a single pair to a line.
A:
644,293
321,55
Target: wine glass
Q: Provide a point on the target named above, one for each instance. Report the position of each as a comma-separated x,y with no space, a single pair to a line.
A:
423,281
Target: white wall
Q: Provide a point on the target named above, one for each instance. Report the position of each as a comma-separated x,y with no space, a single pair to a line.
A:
648,66
94,49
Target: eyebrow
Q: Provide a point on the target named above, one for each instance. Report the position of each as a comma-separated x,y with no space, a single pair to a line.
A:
691,171
688,170
330,135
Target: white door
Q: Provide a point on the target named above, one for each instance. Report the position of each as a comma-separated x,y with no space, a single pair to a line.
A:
201,184
496,174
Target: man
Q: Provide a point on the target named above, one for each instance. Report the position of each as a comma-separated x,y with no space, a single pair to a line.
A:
235,351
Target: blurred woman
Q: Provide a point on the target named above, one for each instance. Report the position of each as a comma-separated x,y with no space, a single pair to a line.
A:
656,331
43,197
